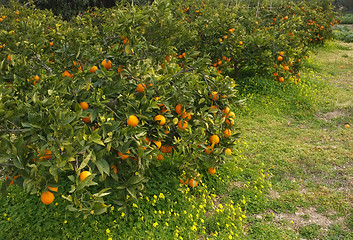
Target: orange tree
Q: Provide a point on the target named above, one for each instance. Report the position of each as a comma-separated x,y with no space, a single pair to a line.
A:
96,111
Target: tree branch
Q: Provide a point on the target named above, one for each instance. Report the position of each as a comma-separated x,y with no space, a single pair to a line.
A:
36,57
116,115
184,71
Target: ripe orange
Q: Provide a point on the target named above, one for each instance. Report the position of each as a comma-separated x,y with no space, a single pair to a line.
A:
240,43
9,57
51,43
132,121
87,119
281,53
140,87
47,197
228,151
280,58
47,154
182,125
211,170
169,149
214,96
93,69
158,143
227,133
207,150
36,78
160,119
186,116
84,175
114,169
214,139
193,183
53,189
159,157
178,109
281,79
123,156
67,74
286,68
167,131
84,105
163,149
231,115
226,110
107,64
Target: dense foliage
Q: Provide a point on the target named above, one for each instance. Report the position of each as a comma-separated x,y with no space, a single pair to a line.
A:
103,98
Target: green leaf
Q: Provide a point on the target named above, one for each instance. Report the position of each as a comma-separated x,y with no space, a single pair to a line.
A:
87,182
18,163
85,160
54,170
102,193
133,180
100,208
103,166
132,192
72,178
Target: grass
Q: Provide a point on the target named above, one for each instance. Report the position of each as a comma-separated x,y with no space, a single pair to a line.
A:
347,18
304,135
291,176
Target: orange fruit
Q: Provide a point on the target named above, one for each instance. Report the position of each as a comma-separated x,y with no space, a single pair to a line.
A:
51,43
230,122
214,139
167,131
169,149
93,69
158,143
9,57
228,151
160,119
107,64
132,121
227,133
87,119
281,53
123,156
280,58
211,170
226,110
286,68
47,197
281,79
178,109
240,43
207,149
140,87
231,115
182,125
84,105
114,169
53,189
164,149
67,74
36,77
186,116
159,157
84,174
193,183
47,154
214,96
